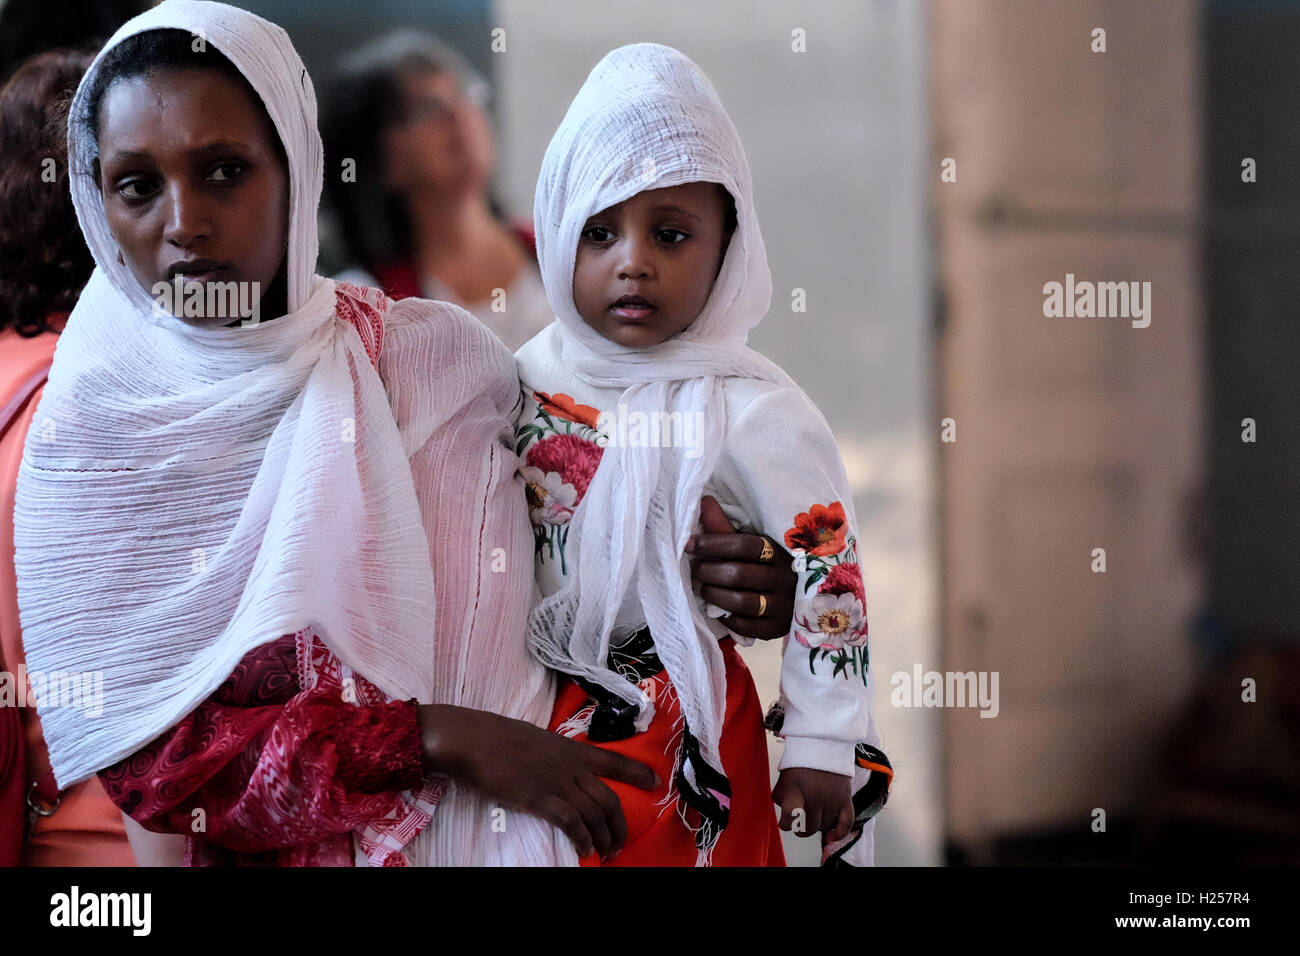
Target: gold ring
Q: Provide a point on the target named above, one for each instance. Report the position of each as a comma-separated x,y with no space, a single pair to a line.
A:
767,552
762,604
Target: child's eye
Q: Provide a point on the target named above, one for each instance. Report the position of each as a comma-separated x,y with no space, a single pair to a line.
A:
666,235
226,171
596,233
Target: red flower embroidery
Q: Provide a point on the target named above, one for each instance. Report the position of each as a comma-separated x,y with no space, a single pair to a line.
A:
572,458
563,406
820,530
844,578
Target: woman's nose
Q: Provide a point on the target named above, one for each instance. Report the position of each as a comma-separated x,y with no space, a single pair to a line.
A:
187,217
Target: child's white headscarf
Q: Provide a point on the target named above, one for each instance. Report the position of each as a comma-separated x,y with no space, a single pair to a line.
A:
187,494
648,118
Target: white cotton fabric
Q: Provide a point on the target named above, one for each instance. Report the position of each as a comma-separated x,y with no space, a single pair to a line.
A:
648,118
187,495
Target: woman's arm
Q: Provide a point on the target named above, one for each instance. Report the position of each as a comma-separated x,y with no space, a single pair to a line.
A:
226,771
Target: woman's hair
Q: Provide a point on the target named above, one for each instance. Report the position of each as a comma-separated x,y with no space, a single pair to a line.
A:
364,99
143,54
44,262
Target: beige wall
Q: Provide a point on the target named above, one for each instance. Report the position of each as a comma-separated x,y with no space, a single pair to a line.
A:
1073,433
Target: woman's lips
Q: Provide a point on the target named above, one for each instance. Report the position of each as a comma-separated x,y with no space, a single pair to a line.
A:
208,276
199,270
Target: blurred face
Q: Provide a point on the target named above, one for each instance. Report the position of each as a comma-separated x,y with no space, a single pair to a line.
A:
444,141
645,266
193,184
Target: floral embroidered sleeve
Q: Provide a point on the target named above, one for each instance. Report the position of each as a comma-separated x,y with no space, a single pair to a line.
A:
781,475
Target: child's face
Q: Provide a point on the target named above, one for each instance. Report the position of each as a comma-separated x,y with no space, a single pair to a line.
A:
645,266
189,172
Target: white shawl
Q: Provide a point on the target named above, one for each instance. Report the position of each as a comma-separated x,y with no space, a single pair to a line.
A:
648,118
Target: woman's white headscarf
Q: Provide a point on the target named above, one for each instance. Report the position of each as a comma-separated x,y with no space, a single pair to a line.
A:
188,494
648,118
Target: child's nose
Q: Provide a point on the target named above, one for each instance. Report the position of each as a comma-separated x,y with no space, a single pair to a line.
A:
633,263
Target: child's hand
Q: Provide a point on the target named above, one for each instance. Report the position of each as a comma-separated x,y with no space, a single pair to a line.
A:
824,798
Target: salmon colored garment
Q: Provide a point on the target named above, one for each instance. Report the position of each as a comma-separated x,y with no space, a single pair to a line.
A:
656,835
86,829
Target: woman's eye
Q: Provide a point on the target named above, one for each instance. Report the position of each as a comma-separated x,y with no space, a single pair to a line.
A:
135,189
596,233
224,172
673,236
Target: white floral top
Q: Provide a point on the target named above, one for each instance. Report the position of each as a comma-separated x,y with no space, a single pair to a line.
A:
779,474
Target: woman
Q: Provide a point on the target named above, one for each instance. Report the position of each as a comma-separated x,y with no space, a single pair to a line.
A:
251,521
43,265
414,212
291,546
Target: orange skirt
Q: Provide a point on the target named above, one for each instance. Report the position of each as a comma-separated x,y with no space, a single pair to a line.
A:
656,834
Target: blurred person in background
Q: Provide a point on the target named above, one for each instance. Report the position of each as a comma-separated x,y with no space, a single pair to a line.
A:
44,263
413,209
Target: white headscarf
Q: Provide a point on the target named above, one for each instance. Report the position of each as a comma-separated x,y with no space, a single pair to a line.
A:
185,492
648,118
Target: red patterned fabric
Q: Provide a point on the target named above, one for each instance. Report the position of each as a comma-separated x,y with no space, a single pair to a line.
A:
262,773
364,308
293,754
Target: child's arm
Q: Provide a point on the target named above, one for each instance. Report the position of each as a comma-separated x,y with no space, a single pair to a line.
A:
783,467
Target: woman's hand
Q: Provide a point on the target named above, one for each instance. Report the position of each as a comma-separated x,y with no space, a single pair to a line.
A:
527,768
726,563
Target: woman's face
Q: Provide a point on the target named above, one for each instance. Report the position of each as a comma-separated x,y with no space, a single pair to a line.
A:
645,266
444,141
193,183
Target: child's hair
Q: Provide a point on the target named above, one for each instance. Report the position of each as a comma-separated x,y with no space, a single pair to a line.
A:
165,49
729,211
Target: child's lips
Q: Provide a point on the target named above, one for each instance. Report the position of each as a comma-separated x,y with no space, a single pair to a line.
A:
632,310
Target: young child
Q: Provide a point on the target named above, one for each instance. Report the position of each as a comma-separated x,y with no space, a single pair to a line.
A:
640,398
